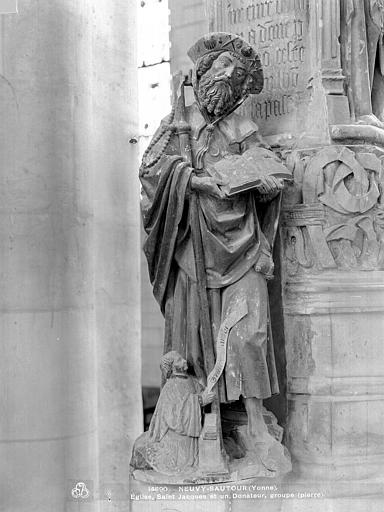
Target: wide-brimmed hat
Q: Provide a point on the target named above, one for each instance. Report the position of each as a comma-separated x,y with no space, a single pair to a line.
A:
219,42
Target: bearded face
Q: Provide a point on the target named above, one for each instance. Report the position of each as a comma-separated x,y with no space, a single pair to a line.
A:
222,85
215,94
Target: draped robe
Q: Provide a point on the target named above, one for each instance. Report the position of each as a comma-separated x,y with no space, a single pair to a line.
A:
235,232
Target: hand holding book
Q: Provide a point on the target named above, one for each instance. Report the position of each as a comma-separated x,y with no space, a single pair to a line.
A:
269,185
210,185
257,168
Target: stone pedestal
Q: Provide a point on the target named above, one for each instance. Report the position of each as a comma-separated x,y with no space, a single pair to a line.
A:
335,354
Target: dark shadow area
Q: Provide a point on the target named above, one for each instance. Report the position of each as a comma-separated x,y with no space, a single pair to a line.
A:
278,404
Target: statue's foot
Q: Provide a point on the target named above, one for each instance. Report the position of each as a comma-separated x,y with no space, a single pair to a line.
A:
371,120
263,450
256,427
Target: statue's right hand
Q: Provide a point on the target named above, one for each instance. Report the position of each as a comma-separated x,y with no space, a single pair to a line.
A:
207,397
208,185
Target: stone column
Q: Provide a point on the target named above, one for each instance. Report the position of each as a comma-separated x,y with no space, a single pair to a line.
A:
117,242
69,254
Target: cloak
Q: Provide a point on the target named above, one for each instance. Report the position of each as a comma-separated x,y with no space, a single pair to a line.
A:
234,231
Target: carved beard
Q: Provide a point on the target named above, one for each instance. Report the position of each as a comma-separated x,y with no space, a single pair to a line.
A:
216,95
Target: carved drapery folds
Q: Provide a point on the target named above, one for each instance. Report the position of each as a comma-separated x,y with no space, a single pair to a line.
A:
340,221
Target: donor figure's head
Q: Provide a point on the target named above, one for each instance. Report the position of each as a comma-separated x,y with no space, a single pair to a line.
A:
227,70
173,363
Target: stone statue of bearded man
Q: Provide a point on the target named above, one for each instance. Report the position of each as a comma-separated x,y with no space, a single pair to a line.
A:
237,232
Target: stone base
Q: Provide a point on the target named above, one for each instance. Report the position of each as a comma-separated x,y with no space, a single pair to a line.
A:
245,456
241,492
267,458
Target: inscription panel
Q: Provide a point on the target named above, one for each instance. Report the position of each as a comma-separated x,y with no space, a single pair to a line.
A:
278,30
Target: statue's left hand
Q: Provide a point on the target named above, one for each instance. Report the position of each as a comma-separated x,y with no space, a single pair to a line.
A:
270,185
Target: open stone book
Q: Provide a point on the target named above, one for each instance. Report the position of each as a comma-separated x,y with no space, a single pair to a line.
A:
243,172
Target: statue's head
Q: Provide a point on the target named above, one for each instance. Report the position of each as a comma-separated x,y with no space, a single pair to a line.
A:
227,69
172,362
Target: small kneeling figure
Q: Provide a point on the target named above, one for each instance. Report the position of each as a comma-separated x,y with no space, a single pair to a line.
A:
170,446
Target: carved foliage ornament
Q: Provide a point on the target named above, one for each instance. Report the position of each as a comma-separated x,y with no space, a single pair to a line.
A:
342,180
341,222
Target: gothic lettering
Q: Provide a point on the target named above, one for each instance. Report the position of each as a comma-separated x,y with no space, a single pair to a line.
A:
269,33
277,107
288,6
299,28
235,16
278,29
281,80
265,58
290,53
261,9
252,36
